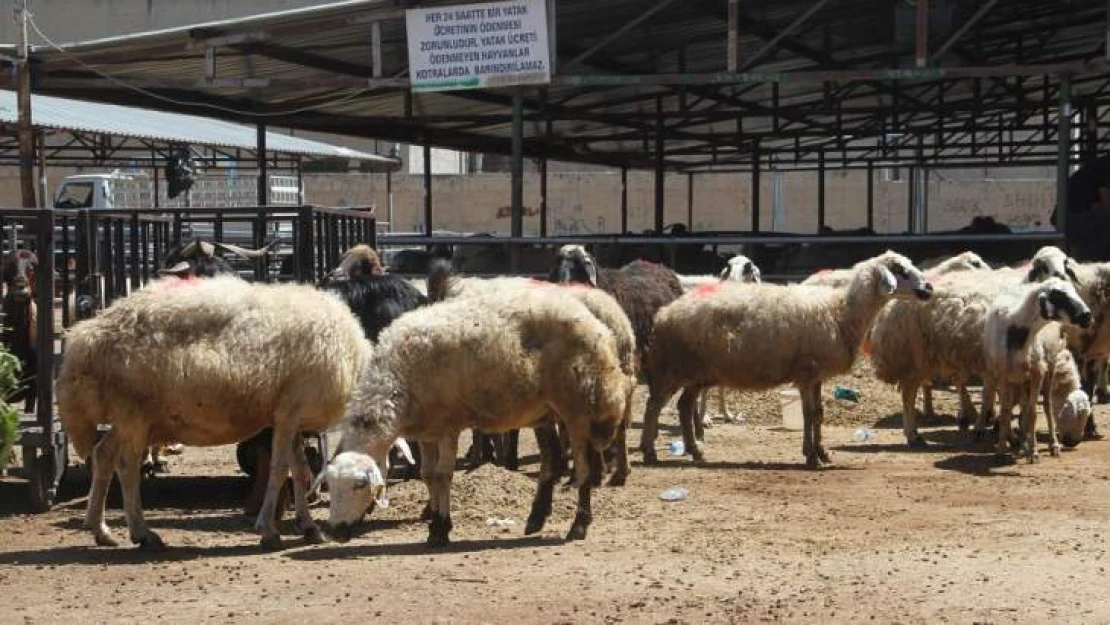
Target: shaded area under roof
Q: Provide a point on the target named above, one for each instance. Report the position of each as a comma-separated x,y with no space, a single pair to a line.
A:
174,128
831,82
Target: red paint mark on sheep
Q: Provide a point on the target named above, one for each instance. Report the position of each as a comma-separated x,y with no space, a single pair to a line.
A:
705,290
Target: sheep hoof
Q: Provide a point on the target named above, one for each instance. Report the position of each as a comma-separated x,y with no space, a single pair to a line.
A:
1003,458
439,531
105,540
618,479
271,542
577,532
964,423
1092,435
1102,397
980,435
438,541
313,536
150,542
650,457
812,461
823,455
426,513
535,523
1054,450
917,442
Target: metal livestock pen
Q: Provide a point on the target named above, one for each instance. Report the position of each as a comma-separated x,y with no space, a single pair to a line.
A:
105,255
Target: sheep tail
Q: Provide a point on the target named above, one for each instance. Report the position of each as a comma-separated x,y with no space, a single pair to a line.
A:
82,434
439,279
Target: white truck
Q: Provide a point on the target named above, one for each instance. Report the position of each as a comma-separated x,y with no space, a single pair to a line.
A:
120,189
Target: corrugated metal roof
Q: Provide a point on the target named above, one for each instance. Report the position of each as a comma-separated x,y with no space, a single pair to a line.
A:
317,61
128,121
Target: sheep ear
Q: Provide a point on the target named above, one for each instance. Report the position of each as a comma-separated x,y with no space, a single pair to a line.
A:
381,498
887,282
724,272
756,276
377,485
403,445
591,271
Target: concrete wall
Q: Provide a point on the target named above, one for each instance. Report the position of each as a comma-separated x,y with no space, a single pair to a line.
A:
589,202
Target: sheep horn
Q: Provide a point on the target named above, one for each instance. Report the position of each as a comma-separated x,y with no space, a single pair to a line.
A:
176,270
247,252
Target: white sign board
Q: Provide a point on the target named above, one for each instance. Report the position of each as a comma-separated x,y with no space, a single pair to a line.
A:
470,46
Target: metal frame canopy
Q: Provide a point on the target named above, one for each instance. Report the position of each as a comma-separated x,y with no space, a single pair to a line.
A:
74,132
698,85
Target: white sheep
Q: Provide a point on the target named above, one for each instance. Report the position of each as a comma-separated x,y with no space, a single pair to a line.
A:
964,261
496,362
740,268
1092,346
600,303
759,336
1013,358
207,362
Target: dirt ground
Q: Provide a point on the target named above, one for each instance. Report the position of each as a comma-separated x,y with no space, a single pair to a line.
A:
886,535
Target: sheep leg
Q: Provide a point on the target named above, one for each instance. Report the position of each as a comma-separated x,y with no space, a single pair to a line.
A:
1005,417
1102,385
703,420
552,466
967,407
511,449
439,529
429,454
103,468
702,410
302,479
818,422
1050,416
686,409
986,415
655,404
926,403
1029,415
129,464
620,447
584,466
285,430
811,439
1090,370
909,415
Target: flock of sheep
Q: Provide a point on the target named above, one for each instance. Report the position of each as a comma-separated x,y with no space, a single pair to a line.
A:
214,360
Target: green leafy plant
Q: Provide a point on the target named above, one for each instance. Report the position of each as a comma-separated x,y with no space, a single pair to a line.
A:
10,377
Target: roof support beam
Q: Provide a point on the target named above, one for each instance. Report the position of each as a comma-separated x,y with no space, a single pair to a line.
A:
617,34
734,35
966,26
922,34
784,33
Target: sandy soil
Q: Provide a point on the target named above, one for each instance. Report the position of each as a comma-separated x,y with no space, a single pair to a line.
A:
886,535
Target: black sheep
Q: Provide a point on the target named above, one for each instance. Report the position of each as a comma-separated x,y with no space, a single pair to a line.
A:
19,327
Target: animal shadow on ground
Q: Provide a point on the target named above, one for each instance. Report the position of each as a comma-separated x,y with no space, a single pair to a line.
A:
983,465
750,465
940,441
893,421
349,551
97,556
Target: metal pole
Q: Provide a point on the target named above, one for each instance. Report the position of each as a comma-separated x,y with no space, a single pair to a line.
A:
389,200
23,89
1063,138
756,167
516,215
624,200
660,173
154,178
820,191
782,34
910,200
543,196
263,199
690,202
922,32
552,36
376,49
734,35
871,195
44,193
427,189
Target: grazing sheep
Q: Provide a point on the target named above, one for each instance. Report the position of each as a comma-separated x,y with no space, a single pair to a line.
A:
759,336
496,362
1065,402
207,362
443,286
640,287
1013,366
1091,347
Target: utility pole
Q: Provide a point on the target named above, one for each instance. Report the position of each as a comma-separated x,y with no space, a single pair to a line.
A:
23,89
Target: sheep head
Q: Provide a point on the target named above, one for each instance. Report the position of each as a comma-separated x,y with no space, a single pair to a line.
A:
1071,420
1051,262
361,260
1057,300
355,483
19,273
198,258
894,275
574,264
740,268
